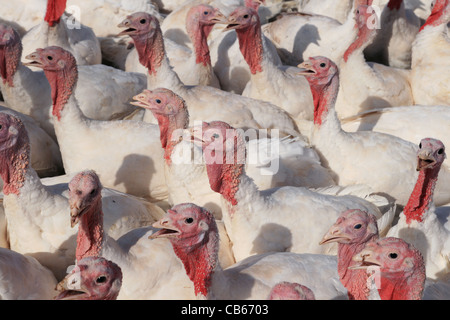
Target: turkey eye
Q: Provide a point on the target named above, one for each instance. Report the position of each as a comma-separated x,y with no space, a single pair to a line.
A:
189,220
49,57
101,279
393,255
142,21
1,126
158,101
205,13
440,151
358,226
246,16
215,135
420,145
322,65
92,192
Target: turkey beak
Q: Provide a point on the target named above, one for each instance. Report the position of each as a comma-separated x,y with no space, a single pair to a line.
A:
232,24
35,60
306,68
76,211
141,100
167,230
126,24
334,234
364,260
70,287
219,18
425,160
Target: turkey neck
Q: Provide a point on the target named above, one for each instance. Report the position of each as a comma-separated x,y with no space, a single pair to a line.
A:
55,9
355,281
200,260
62,85
324,98
401,286
90,232
14,164
10,54
422,196
363,39
250,44
439,15
199,35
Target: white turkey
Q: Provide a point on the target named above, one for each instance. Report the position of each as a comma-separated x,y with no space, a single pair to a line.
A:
285,290
268,81
192,231
349,154
418,223
374,85
205,103
137,167
36,214
103,92
69,34
430,68
271,162
278,219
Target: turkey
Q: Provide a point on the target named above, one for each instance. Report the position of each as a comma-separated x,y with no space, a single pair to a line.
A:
69,34
228,62
192,231
338,10
192,66
349,154
259,221
271,162
290,291
392,45
299,36
145,263
268,81
397,267
103,92
205,103
374,85
93,278
36,214
22,14
430,69
22,277
137,167
418,223
352,230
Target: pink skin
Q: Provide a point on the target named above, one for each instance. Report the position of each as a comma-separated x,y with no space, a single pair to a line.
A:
439,14
171,112
248,29
200,20
401,268
254,4
60,68
224,154
323,78
14,153
193,232
430,156
290,291
10,53
363,14
352,231
55,9
93,278
86,209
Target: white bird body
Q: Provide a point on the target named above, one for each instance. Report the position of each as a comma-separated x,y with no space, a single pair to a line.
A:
334,9
23,278
430,70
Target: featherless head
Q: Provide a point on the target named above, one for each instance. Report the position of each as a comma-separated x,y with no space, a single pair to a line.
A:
352,226
241,18
160,101
290,291
431,153
84,190
139,24
254,4
52,58
93,278
12,132
202,15
318,70
10,52
8,35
